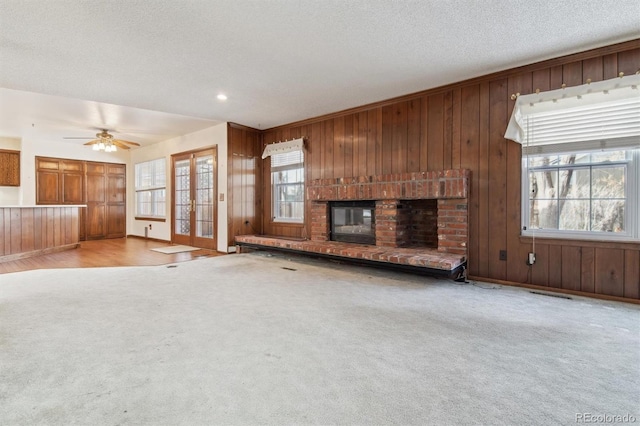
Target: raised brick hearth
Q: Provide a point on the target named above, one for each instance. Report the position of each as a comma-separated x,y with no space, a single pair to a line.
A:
424,258
421,219
419,210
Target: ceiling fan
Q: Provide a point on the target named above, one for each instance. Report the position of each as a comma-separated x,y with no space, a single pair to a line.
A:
105,142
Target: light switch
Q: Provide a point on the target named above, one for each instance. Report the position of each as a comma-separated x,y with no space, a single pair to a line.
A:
221,196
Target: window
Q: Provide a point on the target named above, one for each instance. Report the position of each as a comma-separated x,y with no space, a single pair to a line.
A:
287,181
580,161
582,194
151,177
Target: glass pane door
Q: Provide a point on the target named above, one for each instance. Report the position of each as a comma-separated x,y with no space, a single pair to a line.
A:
194,199
182,197
204,196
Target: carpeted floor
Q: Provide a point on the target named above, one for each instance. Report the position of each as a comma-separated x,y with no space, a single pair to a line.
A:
258,339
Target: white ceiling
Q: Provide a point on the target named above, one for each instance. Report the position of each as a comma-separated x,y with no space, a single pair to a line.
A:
278,61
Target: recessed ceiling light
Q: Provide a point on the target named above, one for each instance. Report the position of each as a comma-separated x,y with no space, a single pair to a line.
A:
222,97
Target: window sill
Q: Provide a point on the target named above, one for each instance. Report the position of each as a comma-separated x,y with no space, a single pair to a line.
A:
152,219
287,223
582,242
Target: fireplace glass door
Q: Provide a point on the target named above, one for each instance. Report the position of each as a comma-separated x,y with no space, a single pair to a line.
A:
353,222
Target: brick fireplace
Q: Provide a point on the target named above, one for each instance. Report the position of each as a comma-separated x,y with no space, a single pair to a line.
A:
412,210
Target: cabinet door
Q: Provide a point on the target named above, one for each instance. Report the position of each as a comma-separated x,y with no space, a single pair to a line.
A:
48,187
72,188
116,201
95,200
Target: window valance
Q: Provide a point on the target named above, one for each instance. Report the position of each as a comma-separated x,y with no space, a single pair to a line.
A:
283,147
604,113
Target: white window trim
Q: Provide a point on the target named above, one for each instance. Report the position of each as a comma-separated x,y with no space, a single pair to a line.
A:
284,220
632,221
150,189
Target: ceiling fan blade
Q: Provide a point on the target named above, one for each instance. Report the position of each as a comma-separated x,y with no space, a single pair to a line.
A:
77,137
93,142
126,142
119,144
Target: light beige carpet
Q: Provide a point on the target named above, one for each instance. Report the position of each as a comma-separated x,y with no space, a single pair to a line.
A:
254,339
175,249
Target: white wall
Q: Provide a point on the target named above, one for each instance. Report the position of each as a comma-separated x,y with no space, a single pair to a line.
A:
10,195
212,136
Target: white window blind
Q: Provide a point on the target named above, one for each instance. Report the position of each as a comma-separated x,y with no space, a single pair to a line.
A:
605,125
287,161
151,178
599,115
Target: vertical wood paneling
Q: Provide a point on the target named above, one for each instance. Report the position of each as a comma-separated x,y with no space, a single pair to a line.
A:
609,271
587,269
470,159
362,141
498,96
592,69
572,74
610,66
244,180
355,144
338,147
555,77
3,239
540,269
24,230
456,112
484,166
463,127
399,145
348,147
555,266
413,135
37,229
51,229
517,270
424,133
387,139
435,132
541,80
328,149
628,61
571,268
314,146
374,142
28,230
16,230
632,274
448,131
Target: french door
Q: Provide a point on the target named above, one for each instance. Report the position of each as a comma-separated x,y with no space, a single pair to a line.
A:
193,207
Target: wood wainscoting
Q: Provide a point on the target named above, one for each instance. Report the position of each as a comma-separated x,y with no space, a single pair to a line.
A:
34,230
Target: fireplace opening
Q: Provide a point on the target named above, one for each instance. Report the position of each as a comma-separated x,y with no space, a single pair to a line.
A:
353,222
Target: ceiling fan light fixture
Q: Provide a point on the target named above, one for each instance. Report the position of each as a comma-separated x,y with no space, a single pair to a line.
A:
95,147
101,146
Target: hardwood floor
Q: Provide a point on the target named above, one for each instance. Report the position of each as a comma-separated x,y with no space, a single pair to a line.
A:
104,253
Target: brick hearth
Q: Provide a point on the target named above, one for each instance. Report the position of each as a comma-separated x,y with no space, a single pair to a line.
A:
421,219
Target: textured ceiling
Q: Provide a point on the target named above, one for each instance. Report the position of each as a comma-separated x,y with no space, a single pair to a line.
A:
280,61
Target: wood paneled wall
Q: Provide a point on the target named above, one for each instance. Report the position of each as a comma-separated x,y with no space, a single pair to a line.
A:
35,230
244,181
462,126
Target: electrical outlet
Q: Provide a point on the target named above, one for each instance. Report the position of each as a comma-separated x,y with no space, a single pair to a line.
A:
149,227
503,255
531,259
